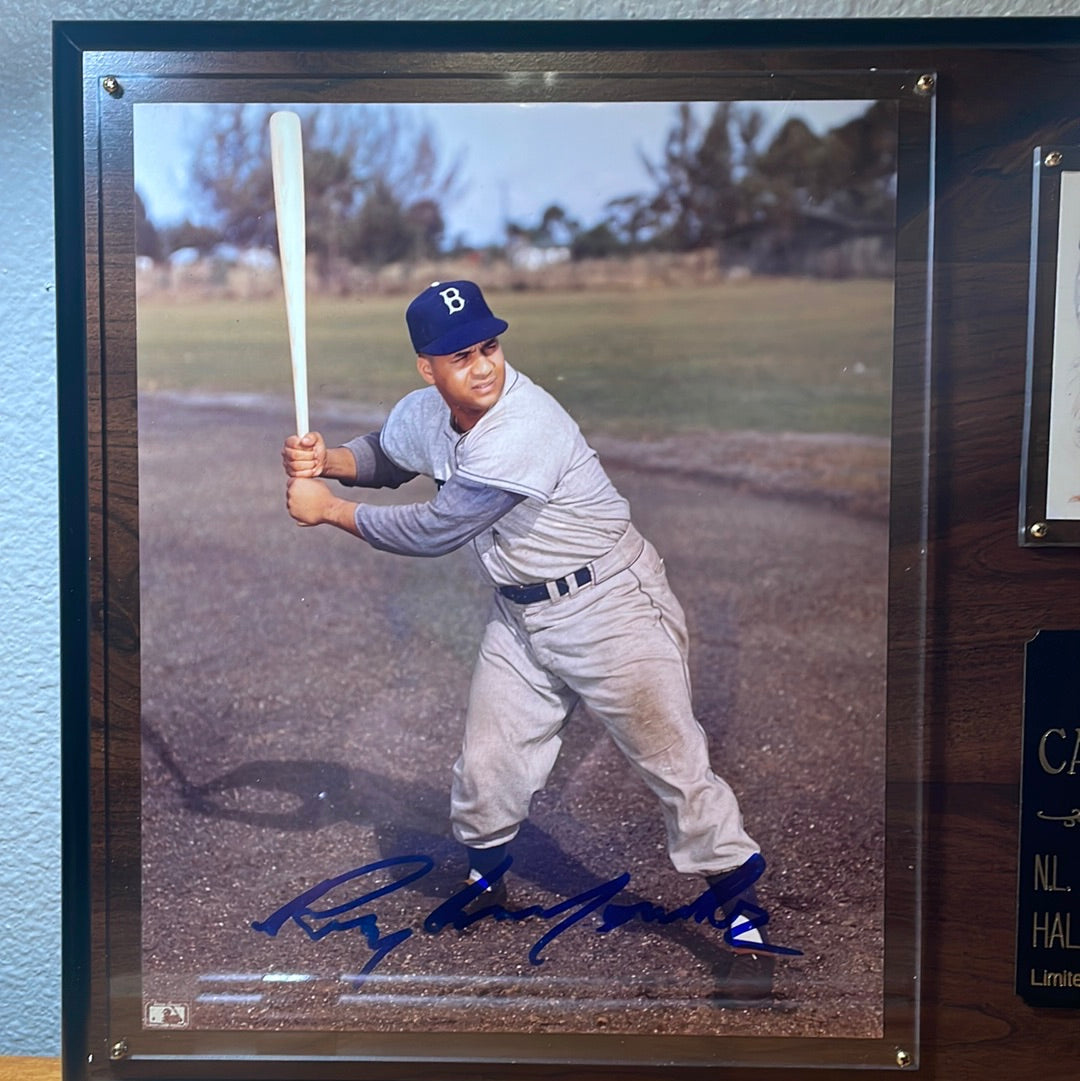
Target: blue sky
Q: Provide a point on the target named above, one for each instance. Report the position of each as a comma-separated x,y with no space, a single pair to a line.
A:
518,158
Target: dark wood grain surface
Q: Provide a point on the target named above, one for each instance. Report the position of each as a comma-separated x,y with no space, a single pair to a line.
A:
986,596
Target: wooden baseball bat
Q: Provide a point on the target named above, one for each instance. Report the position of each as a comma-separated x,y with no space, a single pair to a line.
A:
287,160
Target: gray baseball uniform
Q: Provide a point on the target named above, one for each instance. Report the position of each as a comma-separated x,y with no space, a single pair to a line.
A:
539,508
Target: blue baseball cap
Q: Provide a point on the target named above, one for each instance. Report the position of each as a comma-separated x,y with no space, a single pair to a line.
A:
448,316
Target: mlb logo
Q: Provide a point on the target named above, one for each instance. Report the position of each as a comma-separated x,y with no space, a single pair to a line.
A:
167,1015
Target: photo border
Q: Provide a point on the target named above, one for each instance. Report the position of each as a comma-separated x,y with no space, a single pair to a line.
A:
98,424
1043,394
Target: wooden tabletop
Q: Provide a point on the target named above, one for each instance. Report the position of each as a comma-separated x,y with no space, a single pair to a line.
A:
29,1069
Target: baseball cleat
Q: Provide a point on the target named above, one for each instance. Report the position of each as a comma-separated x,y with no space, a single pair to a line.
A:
748,983
744,918
495,895
745,938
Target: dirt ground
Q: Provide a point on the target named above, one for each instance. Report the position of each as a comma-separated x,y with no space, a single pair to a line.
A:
303,699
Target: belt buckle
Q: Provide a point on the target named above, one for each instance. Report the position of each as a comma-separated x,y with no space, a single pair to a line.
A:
570,584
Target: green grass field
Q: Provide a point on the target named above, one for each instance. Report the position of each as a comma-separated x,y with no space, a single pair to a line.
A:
770,355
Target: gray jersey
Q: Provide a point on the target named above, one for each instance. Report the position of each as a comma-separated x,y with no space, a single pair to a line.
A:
617,644
571,513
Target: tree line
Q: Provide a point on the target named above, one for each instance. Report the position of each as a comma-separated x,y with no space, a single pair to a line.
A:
377,188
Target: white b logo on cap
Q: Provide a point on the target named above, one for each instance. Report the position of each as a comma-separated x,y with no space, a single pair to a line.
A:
453,300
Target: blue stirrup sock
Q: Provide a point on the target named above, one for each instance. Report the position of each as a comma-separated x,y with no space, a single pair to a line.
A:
484,861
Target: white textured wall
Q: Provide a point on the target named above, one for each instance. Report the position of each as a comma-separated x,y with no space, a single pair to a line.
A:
29,652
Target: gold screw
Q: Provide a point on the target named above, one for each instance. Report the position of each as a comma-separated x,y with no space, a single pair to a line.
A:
1053,158
1039,530
902,1058
111,85
924,84
119,1050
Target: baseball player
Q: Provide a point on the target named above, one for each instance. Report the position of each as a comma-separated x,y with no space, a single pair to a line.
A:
581,610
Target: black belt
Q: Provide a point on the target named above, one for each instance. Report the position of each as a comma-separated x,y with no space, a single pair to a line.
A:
540,592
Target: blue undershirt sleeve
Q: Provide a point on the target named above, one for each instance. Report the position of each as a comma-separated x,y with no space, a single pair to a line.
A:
374,467
460,511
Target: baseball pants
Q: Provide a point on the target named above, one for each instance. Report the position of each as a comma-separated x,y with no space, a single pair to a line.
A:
619,646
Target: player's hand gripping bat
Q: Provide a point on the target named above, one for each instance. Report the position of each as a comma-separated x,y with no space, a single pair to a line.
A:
286,154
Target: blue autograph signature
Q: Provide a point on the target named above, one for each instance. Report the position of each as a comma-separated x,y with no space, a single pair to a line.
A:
455,912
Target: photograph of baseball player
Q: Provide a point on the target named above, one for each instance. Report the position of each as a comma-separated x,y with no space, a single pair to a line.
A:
582,612
574,720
